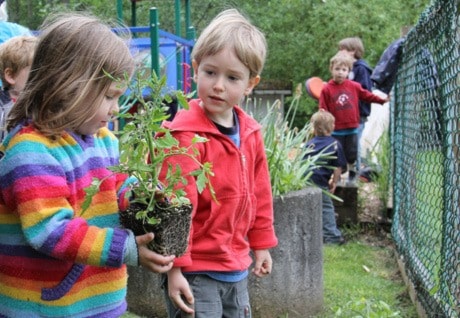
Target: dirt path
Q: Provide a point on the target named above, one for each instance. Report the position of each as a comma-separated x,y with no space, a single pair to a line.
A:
376,227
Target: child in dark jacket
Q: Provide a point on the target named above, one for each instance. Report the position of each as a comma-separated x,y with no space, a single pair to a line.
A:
328,174
341,96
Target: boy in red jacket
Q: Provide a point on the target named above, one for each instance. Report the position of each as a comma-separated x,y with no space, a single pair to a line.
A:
360,73
212,275
341,96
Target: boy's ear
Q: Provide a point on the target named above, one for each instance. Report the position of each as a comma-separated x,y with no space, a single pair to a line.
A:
9,76
253,81
195,69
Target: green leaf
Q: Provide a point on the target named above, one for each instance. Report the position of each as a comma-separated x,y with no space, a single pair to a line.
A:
90,191
199,139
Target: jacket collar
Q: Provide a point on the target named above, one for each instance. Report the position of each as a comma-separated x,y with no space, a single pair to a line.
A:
194,119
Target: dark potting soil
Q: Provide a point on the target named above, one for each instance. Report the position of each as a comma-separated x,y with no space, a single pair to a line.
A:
171,232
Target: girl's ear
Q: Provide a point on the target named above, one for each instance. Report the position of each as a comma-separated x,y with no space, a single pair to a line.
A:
195,70
253,81
9,76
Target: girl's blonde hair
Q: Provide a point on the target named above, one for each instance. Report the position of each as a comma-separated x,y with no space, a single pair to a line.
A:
68,76
16,54
353,44
230,29
323,123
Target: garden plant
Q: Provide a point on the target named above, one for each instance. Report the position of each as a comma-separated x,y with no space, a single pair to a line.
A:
159,206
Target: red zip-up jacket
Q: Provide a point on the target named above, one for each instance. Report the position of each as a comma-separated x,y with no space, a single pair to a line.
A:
223,232
342,101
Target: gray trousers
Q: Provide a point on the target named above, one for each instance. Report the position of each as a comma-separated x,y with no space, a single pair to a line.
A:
213,298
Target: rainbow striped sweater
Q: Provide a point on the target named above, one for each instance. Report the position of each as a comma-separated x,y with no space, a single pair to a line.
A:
56,261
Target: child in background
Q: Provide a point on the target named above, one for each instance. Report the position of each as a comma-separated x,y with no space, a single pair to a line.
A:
341,96
55,260
227,59
328,175
15,59
360,73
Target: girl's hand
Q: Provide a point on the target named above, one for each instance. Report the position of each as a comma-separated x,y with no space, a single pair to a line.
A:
152,261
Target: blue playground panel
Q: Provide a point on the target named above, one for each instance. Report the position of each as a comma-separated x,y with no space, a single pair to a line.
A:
140,49
169,46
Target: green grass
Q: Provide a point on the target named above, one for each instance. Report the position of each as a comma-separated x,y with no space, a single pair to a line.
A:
130,315
361,280
427,223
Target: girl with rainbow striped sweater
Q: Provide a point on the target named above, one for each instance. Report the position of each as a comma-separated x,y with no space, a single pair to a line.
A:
56,261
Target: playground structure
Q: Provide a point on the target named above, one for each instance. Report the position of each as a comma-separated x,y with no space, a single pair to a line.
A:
159,51
163,52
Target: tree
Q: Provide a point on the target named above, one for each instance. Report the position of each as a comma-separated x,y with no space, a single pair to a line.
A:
302,35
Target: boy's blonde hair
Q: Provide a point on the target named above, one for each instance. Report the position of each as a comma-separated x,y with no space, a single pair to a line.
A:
353,44
341,59
230,29
323,123
16,54
68,77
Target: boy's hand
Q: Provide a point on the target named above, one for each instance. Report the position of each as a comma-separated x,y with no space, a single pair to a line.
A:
332,186
179,291
263,265
152,261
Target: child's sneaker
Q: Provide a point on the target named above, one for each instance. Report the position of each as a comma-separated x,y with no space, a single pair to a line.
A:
351,174
351,178
340,241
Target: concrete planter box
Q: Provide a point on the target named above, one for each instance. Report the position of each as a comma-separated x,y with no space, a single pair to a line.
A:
295,286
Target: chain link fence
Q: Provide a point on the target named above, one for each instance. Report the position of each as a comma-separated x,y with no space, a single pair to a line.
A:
425,140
